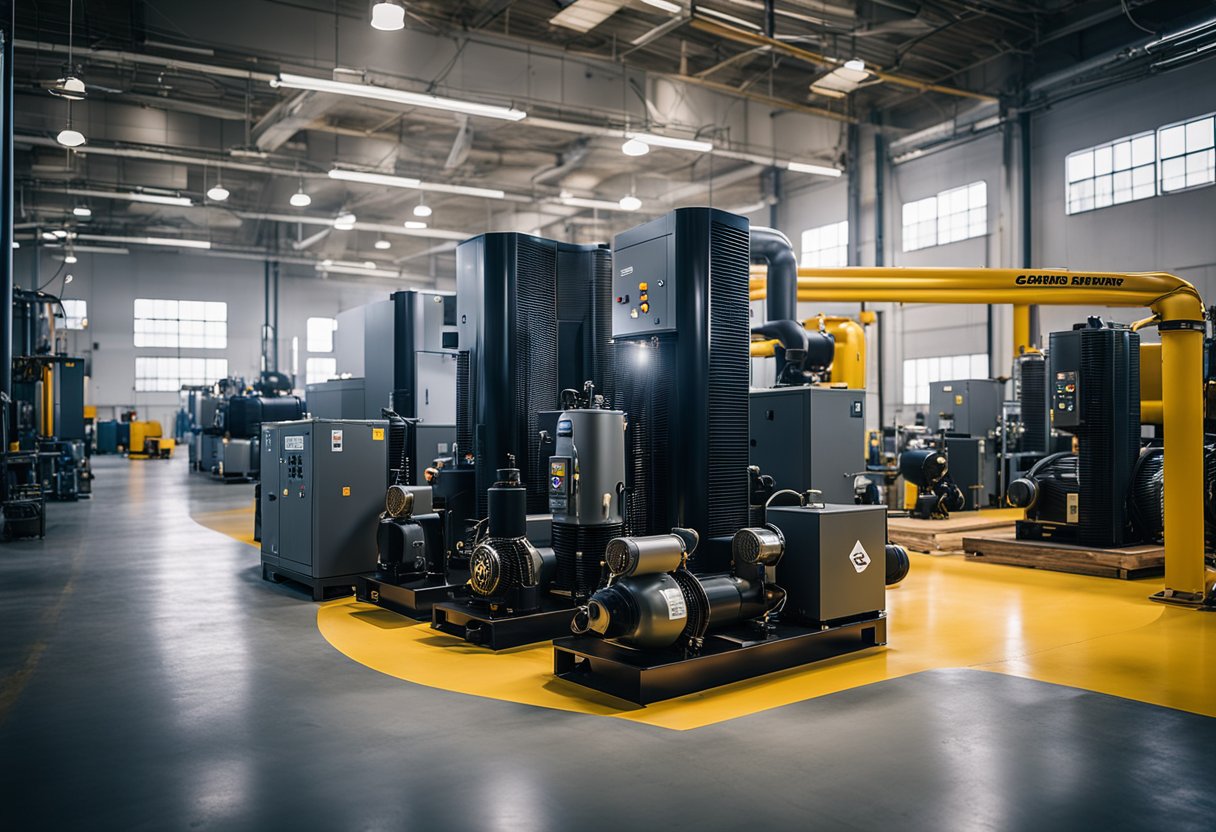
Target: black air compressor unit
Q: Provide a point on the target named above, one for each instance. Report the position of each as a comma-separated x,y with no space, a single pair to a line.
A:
1094,387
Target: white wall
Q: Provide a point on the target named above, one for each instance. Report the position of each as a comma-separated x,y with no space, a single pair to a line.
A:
111,283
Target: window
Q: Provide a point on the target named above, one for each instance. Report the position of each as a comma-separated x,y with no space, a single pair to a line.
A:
953,215
1187,154
181,323
74,314
826,246
1109,174
919,373
317,370
165,374
321,334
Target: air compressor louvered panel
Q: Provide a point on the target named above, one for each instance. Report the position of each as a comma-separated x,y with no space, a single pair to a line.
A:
729,334
601,324
1034,405
534,333
464,416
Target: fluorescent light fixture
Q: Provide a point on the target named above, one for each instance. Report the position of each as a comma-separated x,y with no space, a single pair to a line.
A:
729,18
169,242
388,16
390,181
363,269
218,193
630,203
60,233
70,138
585,15
83,211
345,221
665,6
394,96
300,199
600,204
655,140
423,210
842,80
820,170
133,196
635,147
49,236
414,225
368,178
383,244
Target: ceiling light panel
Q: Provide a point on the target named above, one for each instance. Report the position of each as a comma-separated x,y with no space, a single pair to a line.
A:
585,15
395,96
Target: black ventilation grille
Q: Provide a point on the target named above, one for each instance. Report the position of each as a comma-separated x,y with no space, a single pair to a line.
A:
729,337
580,575
534,337
1035,420
464,416
603,363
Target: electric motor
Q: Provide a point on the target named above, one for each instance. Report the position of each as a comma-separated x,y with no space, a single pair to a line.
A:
398,502
924,467
409,546
505,570
763,545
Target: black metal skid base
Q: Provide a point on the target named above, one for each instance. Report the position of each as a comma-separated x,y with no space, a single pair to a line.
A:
731,655
322,588
413,600
475,625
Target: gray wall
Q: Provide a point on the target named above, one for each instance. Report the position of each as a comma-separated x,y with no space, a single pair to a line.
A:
111,283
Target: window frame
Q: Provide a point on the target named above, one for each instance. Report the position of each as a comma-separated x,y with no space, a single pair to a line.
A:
933,370
310,378
158,323
308,334
931,221
1209,150
210,370
63,314
813,258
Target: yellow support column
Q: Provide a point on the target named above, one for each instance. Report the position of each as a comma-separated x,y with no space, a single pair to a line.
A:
1182,403
1021,329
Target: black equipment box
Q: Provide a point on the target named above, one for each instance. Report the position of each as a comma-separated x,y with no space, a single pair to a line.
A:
834,566
809,437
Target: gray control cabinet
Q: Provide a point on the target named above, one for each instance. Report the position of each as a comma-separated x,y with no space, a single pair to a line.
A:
973,467
968,407
834,566
809,437
323,485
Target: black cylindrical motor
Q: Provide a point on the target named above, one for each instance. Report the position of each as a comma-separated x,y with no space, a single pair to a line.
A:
409,546
586,483
653,602
929,470
506,572
1047,488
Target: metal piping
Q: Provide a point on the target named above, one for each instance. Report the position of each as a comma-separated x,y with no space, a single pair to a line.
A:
774,248
7,16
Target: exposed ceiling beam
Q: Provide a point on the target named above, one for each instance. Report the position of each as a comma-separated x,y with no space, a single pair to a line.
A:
289,117
820,60
116,56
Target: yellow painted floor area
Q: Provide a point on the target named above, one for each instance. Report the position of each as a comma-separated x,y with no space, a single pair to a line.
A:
1093,633
237,523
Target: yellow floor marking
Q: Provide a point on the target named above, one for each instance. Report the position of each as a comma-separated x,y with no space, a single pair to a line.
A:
237,523
1092,633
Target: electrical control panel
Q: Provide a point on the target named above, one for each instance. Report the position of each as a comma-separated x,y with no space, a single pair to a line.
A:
642,282
1064,398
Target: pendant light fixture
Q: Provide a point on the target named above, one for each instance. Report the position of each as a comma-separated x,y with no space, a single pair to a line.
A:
422,209
70,88
388,15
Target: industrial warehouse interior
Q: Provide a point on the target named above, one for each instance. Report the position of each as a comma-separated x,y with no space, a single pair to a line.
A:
608,414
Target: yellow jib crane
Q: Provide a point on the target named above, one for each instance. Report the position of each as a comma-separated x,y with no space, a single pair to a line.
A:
1178,313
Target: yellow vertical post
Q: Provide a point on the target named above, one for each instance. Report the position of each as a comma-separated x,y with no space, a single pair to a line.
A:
1021,329
1182,403
48,401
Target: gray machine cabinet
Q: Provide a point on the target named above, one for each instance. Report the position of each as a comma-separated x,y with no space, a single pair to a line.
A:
968,407
809,437
339,398
322,492
834,566
973,467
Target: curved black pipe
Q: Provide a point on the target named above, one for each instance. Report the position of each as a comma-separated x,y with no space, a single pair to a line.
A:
791,334
772,247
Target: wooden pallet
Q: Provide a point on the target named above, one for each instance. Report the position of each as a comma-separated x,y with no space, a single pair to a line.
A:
945,537
1127,563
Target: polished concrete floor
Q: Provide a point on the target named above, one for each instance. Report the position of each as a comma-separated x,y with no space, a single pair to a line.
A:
150,680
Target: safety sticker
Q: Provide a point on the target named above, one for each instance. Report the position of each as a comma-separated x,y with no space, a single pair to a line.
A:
335,441
377,434
675,603
293,443
859,557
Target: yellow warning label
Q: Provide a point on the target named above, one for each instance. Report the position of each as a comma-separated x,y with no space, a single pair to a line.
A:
377,434
346,491
958,400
